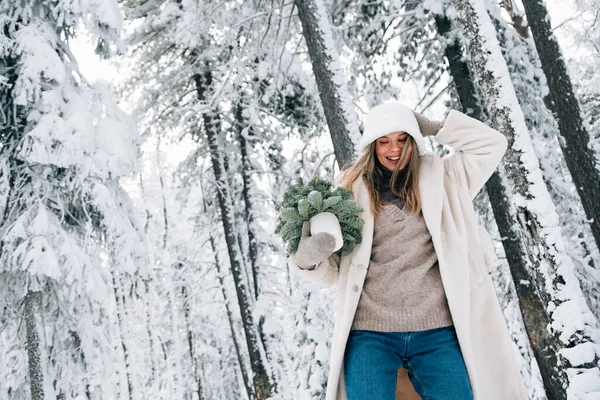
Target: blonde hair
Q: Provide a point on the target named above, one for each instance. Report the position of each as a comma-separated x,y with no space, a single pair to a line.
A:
365,167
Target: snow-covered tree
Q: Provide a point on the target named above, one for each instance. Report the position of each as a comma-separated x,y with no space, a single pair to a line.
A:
581,158
65,221
234,111
548,288
336,100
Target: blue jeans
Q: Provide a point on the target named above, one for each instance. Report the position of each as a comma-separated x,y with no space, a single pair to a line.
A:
432,357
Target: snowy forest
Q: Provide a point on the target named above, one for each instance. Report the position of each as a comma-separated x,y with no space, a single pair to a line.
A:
138,258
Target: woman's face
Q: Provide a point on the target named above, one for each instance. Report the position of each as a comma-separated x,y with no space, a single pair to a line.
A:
388,149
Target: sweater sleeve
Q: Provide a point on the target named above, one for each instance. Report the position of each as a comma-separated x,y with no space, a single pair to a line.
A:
325,273
479,149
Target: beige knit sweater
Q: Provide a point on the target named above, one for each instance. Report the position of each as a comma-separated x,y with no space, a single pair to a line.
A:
403,289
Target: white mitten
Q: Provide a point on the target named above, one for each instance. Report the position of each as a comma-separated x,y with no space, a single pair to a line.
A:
313,249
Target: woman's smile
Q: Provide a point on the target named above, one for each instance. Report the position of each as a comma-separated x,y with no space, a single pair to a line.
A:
394,159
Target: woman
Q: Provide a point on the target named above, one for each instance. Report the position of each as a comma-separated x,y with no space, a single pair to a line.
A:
415,292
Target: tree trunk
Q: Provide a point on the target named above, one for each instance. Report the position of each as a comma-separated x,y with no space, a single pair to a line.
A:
247,169
149,331
165,214
335,98
120,307
459,70
545,282
236,344
190,338
175,351
498,193
544,130
34,345
234,338
212,127
242,123
575,139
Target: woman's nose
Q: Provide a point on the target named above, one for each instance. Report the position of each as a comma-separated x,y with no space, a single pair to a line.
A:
397,146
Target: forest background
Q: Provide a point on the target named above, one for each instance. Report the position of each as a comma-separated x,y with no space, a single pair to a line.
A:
137,253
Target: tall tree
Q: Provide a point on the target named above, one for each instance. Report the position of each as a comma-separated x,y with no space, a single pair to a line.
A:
336,100
548,290
63,214
532,92
263,386
498,193
581,158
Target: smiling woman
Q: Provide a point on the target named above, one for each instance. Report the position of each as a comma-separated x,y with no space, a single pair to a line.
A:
412,294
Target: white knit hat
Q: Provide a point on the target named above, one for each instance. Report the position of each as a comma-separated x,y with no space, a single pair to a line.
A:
387,118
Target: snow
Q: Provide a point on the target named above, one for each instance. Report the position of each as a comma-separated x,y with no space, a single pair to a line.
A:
584,384
35,45
581,354
567,320
336,70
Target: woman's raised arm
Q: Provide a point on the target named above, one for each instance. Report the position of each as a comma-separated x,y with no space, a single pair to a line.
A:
479,149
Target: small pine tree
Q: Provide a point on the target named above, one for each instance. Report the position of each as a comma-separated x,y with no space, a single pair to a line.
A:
302,202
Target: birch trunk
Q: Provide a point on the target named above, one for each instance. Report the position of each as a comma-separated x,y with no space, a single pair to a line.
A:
34,345
335,98
574,138
551,300
212,126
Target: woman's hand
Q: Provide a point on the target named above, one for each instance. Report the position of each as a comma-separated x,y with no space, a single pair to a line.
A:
313,249
427,126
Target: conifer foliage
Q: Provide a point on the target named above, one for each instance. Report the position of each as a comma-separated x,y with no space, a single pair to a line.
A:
302,202
65,222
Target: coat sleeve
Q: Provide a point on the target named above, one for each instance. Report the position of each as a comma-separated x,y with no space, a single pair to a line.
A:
479,149
325,273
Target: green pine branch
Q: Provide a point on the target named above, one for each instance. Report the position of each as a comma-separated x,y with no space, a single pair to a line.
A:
302,201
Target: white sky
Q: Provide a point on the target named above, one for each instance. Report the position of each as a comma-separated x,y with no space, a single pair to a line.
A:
90,65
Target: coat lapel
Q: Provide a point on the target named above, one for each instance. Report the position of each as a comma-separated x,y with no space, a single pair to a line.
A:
456,278
431,191
362,252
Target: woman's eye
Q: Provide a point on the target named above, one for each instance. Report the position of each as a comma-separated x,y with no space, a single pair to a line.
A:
383,142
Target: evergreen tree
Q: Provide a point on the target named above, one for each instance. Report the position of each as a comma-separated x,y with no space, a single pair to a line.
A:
66,222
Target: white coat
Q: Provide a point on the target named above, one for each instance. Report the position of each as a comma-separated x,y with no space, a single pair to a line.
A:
447,188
